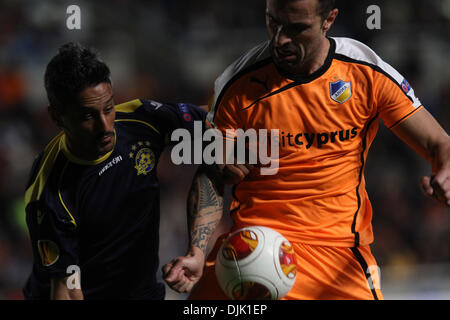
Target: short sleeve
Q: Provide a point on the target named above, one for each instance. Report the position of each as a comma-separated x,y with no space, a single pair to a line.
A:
395,101
54,239
225,116
167,117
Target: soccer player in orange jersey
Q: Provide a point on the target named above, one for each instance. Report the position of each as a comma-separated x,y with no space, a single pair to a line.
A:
325,96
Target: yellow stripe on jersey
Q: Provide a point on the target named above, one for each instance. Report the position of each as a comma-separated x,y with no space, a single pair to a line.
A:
139,121
75,159
72,220
58,144
51,152
132,106
128,107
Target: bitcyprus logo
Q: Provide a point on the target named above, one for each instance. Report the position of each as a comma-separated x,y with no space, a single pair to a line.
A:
257,147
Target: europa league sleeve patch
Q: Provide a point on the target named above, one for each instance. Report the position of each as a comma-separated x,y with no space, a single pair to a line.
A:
49,252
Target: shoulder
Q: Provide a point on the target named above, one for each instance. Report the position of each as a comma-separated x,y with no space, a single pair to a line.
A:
148,107
161,117
42,168
354,51
138,111
133,106
254,59
35,168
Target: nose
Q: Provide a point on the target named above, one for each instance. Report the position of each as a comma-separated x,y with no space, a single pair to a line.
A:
103,125
281,39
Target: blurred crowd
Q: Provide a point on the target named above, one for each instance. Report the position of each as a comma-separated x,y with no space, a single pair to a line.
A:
172,50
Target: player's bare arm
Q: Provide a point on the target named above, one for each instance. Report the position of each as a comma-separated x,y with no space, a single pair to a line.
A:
424,134
60,291
204,210
205,206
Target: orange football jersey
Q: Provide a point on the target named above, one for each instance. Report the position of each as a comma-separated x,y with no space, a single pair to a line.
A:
327,122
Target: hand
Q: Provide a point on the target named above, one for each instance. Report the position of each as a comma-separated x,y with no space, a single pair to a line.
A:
182,273
235,173
438,186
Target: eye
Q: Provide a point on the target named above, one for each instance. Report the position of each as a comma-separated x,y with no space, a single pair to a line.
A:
271,22
87,116
109,109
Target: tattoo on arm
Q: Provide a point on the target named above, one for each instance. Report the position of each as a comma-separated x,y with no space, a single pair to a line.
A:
205,206
201,234
208,195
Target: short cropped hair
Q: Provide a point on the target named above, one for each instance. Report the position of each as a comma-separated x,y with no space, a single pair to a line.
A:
73,69
325,6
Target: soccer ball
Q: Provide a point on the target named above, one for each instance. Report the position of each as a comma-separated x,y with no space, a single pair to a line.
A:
256,263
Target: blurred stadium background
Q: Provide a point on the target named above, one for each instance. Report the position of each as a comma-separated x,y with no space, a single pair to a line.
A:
172,50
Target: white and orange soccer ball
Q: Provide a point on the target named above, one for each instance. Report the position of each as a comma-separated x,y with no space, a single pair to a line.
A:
256,263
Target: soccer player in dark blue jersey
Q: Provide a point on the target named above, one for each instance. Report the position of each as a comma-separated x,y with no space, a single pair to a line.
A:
92,201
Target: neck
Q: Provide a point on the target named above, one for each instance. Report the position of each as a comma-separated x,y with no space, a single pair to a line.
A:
318,58
78,152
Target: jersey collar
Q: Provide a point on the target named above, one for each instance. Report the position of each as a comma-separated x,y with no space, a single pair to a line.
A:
318,73
75,159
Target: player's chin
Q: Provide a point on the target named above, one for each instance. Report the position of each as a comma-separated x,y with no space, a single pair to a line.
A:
288,68
104,148
289,64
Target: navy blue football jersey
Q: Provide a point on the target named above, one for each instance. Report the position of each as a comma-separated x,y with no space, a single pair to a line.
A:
103,215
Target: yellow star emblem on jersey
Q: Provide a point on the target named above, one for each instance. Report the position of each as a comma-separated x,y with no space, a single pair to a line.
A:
144,158
145,161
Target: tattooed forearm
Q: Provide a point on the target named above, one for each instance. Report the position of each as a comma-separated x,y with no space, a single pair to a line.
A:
205,206
192,202
208,195
201,234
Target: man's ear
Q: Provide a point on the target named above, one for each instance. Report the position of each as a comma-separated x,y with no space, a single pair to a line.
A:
55,115
328,22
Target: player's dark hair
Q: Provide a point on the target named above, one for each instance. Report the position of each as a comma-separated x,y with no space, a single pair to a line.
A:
73,69
325,6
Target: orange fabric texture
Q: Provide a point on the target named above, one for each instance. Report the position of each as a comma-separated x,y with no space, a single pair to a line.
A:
326,127
324,273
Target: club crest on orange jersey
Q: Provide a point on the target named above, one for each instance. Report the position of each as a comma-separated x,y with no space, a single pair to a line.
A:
340,91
